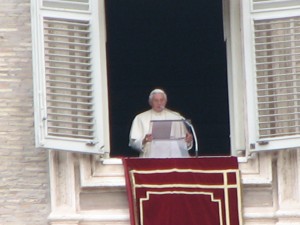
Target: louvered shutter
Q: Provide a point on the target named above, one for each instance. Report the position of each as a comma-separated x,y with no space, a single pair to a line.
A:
273,4
70,76
81,5
272,63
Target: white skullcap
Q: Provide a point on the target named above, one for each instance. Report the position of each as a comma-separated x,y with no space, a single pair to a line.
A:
157,91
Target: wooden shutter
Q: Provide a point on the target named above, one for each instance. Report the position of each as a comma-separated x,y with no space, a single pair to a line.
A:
82,5
273,4
70,77
273,78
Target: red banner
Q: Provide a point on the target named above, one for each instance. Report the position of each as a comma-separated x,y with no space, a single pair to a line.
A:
183,191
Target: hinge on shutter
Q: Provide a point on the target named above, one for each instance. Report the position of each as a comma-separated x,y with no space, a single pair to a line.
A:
262,142
92,143
252,146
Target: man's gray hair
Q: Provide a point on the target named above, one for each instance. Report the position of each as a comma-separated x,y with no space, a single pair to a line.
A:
157,91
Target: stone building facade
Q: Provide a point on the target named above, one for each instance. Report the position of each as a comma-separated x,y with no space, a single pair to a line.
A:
25,190
59,187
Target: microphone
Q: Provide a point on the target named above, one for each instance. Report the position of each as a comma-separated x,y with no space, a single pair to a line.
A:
188,123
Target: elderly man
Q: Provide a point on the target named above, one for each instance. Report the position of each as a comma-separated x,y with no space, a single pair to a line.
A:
142,139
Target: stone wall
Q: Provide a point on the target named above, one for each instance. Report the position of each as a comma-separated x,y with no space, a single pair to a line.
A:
24,177
270,181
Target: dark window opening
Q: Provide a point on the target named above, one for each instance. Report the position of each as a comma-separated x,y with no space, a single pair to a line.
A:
175,45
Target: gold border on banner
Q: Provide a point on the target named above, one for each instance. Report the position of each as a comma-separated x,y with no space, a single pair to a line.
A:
149,193
225,186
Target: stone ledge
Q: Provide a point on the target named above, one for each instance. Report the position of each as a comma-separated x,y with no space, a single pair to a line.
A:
99,217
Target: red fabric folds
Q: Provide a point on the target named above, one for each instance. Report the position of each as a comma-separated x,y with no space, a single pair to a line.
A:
189,191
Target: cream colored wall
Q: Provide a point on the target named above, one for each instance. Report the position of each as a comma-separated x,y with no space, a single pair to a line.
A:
24,179
86,190
271,188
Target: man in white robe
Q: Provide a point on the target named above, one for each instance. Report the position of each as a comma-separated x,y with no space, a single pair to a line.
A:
142,140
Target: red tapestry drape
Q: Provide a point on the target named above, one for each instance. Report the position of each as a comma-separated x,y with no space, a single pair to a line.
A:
189,191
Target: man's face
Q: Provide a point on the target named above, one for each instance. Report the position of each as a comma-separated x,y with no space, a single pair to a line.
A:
158,102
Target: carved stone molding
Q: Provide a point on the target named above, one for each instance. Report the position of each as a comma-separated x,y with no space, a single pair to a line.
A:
86,191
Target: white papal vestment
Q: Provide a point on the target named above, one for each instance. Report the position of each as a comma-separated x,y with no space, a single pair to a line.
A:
156,148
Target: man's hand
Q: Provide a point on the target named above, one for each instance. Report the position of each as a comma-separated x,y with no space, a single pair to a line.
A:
148,138
189,138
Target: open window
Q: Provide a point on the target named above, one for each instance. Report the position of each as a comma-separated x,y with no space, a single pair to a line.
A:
70,86
174,45
69,67
271,34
